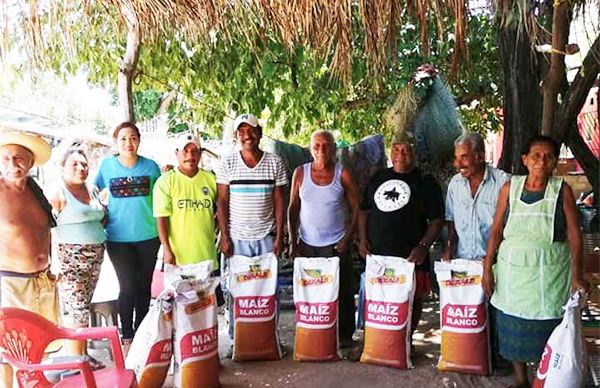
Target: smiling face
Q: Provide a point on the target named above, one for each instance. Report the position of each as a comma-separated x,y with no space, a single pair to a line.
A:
15,162
468,162
322,148
248,137
75,170
402,157
540,160
188,157
127,142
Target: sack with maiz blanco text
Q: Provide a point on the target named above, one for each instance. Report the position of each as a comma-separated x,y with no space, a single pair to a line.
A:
316,287
463,317
563,361
389,292
195,326
252,284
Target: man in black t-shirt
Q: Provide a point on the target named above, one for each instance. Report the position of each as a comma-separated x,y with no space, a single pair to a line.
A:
401,214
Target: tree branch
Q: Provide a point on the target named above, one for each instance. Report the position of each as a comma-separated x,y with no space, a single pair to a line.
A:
577,93
128,66
585,157
566,128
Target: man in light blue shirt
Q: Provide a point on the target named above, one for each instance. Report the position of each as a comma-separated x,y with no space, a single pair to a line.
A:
471,199
470,207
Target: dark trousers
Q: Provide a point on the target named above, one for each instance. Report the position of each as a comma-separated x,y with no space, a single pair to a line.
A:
134,264
346,291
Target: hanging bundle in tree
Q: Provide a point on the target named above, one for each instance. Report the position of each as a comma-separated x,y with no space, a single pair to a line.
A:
438,122
425,113
399,117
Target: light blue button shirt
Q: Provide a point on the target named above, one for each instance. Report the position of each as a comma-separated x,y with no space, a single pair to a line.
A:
473,216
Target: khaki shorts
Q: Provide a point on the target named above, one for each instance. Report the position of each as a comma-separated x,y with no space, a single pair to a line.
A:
34,292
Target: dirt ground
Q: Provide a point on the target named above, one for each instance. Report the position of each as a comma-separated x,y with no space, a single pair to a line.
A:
288,373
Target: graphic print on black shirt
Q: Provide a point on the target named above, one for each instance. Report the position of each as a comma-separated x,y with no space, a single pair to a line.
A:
133,186
392,195
399,205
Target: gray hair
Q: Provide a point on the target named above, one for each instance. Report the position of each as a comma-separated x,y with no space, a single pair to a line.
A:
322,132
474,140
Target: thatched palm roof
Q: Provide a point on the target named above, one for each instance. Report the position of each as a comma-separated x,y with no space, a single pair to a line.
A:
330,28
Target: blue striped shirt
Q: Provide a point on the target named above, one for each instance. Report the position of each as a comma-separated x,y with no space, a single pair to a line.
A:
473,216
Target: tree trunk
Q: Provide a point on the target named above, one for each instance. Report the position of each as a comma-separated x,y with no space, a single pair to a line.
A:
556,74
565,128
522,97
127,69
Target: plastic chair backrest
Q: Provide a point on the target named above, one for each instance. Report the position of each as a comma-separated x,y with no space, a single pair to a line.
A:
25,335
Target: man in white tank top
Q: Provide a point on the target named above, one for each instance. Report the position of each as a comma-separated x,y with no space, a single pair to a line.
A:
319,225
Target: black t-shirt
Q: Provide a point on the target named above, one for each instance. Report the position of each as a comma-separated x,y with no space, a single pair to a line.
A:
399,205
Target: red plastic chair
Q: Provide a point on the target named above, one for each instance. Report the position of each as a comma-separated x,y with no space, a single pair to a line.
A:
25,335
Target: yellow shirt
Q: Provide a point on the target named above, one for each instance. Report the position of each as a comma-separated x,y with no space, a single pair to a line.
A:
189,203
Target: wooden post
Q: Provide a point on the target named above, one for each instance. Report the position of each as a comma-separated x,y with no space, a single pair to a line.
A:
128,67
556,74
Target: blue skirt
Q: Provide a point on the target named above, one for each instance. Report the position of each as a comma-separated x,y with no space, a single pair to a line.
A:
523,340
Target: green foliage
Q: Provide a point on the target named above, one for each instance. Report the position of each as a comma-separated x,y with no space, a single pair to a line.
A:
146,103
292,91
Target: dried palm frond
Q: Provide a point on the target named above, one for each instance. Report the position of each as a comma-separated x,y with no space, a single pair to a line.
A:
460,36
326,27
399,118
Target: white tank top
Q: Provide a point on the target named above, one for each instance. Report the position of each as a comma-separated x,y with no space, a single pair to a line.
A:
323,209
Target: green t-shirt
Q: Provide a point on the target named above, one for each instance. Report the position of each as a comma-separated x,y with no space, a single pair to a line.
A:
190,205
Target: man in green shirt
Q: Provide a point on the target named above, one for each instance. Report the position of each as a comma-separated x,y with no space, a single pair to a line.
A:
184,207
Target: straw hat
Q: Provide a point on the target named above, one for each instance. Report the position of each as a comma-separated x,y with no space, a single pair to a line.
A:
39,147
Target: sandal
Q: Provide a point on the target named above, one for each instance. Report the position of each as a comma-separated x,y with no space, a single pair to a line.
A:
126,343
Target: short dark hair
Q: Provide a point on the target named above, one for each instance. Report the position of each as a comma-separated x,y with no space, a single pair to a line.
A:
536,139
126,124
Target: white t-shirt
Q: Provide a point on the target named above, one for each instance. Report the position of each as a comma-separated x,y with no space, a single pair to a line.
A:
251,202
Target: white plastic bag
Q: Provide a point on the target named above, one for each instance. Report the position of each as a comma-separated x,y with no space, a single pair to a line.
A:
183,274
563,361
151,350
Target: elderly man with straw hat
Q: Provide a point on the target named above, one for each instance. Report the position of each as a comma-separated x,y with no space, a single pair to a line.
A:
25,222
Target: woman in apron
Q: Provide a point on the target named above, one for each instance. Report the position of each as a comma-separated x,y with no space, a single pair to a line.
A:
534,256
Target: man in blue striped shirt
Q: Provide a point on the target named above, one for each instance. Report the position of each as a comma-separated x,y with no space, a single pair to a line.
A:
471,199
250,199
470,206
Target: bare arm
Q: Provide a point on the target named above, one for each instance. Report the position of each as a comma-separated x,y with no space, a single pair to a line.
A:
450,248
279,204
162,224
364,247
495,239
55,197
575,239
294,210
225,244
351,192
